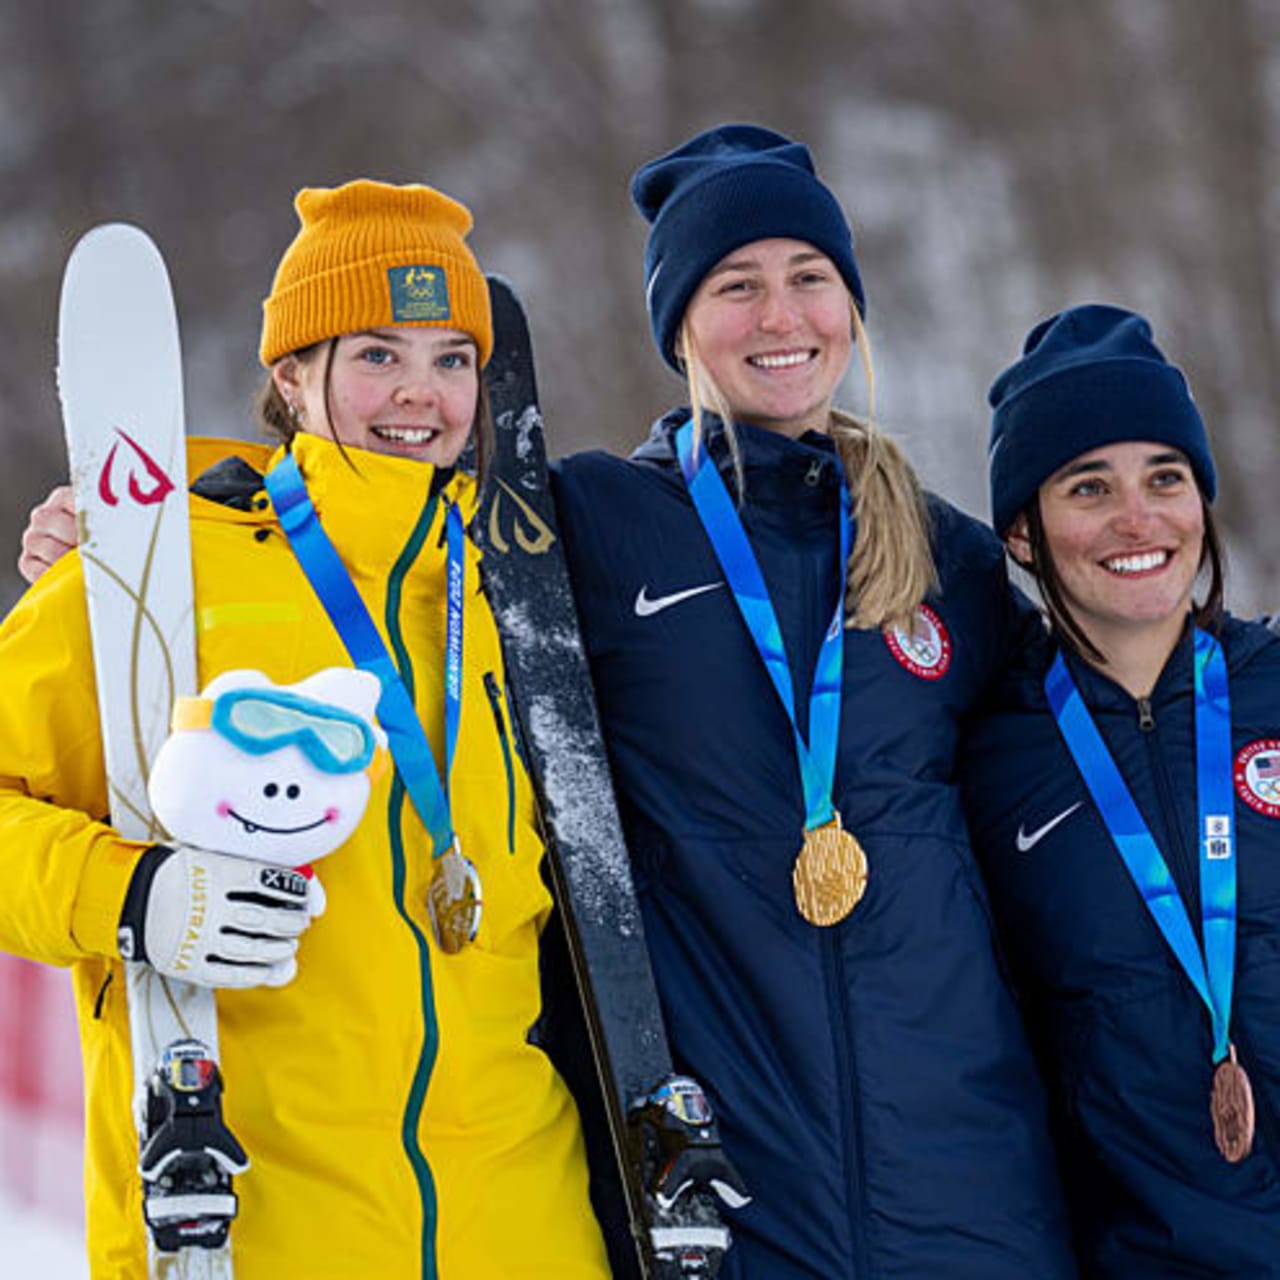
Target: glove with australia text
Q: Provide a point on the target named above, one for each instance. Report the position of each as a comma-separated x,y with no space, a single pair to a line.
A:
217,920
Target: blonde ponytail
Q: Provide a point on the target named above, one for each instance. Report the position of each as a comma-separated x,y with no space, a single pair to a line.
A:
891,569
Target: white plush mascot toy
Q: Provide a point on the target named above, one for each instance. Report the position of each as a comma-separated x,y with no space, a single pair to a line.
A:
275,776
276,773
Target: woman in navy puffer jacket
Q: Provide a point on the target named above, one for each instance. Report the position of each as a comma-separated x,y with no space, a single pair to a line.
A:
768,700
1125,804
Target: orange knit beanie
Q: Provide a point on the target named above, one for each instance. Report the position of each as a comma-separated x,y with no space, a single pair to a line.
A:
369,255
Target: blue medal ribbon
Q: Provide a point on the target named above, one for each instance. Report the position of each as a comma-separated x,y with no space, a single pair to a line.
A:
719,517
337,593
1212,973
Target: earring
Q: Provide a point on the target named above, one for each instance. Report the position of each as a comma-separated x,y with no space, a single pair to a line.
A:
296,415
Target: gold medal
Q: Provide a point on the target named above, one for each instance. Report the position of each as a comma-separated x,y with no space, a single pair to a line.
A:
454,901
1231,1106
830,875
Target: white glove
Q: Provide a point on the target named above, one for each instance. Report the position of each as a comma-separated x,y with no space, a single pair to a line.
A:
217,920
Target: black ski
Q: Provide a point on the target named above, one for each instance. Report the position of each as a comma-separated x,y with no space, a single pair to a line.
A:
665,1142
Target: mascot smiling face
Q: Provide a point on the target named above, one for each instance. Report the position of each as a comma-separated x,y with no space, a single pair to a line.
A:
279,773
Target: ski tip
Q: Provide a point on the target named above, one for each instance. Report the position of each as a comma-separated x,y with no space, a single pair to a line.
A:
512,360
114,246
505,302
110,264
510,321
116,234
500,285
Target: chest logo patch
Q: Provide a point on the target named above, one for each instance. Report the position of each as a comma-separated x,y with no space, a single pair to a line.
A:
1257,776
925,651
647,605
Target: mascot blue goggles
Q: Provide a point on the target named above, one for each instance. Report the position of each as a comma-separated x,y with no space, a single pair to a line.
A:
260,721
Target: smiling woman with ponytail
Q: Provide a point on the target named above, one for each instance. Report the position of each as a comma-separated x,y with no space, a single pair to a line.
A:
783,733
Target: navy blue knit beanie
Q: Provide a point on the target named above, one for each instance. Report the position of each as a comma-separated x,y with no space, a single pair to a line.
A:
1089,376
725,188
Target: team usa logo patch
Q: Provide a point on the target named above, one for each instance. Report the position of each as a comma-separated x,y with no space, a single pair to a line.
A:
1257,776
925,651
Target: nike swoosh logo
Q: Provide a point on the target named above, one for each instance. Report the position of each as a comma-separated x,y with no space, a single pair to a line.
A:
646,607
1028,841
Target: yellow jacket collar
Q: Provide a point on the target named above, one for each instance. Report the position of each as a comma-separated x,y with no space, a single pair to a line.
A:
368,502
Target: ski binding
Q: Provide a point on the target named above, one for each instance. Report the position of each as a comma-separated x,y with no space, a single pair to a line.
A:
189,1155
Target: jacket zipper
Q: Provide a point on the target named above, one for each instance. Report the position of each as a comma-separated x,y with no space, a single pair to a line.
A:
517,743
495,705
850,1101
837,999
415,1103
1184,868
101,999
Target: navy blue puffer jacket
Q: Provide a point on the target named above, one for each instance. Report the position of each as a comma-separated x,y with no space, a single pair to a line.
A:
1126,1039
872,1079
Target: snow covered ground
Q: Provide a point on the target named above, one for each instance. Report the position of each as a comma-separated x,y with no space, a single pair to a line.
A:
33,1244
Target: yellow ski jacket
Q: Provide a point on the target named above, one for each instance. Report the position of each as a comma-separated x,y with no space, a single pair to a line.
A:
398,1121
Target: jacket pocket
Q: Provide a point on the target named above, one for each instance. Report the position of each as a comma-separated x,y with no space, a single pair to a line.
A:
495,695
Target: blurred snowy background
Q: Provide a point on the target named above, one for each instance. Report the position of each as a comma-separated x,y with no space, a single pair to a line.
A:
999,159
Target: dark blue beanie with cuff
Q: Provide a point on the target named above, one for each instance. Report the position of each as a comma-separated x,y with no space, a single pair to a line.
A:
1089,376
722,189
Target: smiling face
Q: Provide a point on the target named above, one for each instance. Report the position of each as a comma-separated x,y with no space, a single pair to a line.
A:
403,391
1125,528
260,785
278,808
771,326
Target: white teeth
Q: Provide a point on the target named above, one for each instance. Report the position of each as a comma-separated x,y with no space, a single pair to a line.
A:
781,361
1137,564
406,435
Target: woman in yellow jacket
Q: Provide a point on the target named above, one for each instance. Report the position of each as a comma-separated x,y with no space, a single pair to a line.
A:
399,1122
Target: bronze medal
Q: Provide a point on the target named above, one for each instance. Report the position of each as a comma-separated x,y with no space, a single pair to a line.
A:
830,875
1231,1106
454,901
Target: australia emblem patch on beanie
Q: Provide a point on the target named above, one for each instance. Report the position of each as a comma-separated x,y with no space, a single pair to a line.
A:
418,293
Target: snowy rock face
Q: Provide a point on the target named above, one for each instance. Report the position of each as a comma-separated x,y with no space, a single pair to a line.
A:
278,773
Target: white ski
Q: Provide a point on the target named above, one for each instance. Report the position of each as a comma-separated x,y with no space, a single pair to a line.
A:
120,381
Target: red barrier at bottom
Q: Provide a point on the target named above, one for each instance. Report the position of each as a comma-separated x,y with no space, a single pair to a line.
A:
41,1106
